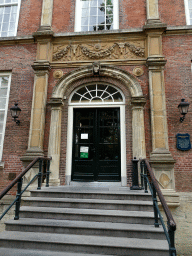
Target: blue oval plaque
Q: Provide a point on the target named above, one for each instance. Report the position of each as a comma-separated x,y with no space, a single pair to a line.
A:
183,141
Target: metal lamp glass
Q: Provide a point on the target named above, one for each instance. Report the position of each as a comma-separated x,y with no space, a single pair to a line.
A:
183,108
15,112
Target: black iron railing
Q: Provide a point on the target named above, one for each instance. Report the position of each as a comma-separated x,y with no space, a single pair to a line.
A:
44,164
148,180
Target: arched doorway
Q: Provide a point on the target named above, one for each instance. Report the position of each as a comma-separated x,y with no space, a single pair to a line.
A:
63,94
97,133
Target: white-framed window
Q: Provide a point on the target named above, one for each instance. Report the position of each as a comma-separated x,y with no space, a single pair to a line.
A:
97,94
188,11
9,16
5,81
96,15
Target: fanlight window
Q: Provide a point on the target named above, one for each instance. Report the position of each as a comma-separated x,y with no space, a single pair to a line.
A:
97,93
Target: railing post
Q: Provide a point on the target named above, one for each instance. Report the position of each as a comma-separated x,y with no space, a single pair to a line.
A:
18,196
135,183
142,172
47,173
172,240
145,178
156,224
40,173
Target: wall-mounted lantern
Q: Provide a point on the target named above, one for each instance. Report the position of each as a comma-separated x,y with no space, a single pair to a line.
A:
15,112
183,108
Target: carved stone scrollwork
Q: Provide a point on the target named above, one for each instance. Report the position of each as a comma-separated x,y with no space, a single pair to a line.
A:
98,51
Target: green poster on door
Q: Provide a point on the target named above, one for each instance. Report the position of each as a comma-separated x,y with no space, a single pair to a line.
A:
83,155
84,152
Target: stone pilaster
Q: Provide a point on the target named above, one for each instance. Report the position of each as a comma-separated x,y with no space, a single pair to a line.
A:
36,132
55,140
46,16
138,139
161,159
152,9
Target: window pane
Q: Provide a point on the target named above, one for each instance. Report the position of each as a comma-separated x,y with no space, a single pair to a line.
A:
84,28
93,3
85,4
1,10
2,116
6,18
4,34
14,9
7,10
93,11
7,1
92,21
190,14
190,4
12,26
2,103
85,12
84,21
1,127
5,26
3,92
4,81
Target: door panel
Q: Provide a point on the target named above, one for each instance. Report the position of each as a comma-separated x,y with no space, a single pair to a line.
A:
96,145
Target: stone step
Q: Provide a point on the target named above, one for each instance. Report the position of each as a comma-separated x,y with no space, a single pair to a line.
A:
62,192
131,205
84,244
34,252
86,228
129,217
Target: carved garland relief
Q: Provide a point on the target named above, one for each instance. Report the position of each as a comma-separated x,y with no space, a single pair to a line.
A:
99,51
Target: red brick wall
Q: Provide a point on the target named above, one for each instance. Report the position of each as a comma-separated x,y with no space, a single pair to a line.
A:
132,14
18,59
63,16
172,12
178,51
30,17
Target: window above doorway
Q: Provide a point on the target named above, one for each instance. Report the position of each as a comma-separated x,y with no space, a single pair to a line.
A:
9,15
97,94
96,15
188,11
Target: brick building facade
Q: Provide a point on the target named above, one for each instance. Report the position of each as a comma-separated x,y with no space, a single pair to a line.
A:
141,50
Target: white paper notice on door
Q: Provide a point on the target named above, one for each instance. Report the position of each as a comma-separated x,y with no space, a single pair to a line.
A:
84,136
84,149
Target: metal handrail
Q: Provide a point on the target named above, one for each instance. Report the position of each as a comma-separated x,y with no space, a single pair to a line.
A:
156,191
18,180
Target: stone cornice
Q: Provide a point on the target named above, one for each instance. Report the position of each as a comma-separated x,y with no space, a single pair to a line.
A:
41,66
16,40
56,102
155,61
138,101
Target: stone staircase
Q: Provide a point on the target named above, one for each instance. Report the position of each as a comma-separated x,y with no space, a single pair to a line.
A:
77,221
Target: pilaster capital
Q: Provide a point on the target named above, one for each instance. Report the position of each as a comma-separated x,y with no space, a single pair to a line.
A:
56,102
155,62
138,102
153,25
41,67
43,32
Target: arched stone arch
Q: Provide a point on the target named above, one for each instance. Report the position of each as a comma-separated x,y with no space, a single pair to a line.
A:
59,91
123,76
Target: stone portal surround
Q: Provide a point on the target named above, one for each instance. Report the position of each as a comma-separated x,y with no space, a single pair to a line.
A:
58,94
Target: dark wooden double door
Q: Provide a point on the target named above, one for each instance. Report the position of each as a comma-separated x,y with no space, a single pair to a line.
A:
96,145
